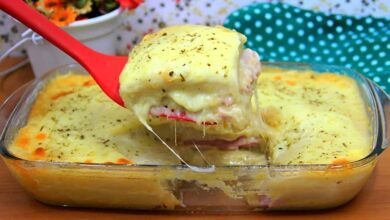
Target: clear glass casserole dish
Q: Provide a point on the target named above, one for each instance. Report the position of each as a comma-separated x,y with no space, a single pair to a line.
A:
175,187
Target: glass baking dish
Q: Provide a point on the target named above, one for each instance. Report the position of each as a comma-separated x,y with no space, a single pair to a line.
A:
175,187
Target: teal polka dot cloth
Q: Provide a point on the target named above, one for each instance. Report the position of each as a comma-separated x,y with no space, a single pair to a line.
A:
280,32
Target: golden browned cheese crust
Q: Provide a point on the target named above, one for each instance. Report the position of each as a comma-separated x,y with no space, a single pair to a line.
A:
310,116
72,120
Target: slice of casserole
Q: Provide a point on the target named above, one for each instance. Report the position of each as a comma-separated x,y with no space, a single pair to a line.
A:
199,77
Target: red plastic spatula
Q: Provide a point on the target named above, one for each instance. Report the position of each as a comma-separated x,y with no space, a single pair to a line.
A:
103,68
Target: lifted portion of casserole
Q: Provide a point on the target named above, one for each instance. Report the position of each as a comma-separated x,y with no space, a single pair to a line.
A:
201,78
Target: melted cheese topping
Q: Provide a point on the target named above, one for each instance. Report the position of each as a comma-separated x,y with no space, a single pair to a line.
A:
181,57
195,69
73,121
321,118
310,115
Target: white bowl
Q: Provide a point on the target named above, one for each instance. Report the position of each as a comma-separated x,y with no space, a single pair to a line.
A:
98,33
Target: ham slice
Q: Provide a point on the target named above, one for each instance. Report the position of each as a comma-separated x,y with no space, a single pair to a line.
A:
173,114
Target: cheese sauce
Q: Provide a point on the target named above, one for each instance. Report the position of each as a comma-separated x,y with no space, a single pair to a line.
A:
314,118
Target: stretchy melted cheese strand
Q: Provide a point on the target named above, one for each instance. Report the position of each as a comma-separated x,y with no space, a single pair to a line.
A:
201,154
193,168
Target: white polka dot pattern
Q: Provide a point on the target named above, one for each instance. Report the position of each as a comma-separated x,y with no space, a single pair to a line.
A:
281,32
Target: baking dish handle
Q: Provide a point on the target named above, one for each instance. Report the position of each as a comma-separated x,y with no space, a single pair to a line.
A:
383,103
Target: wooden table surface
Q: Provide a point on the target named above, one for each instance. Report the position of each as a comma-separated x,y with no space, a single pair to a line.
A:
373,202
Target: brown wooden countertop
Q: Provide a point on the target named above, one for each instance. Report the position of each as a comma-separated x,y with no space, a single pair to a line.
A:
372,203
